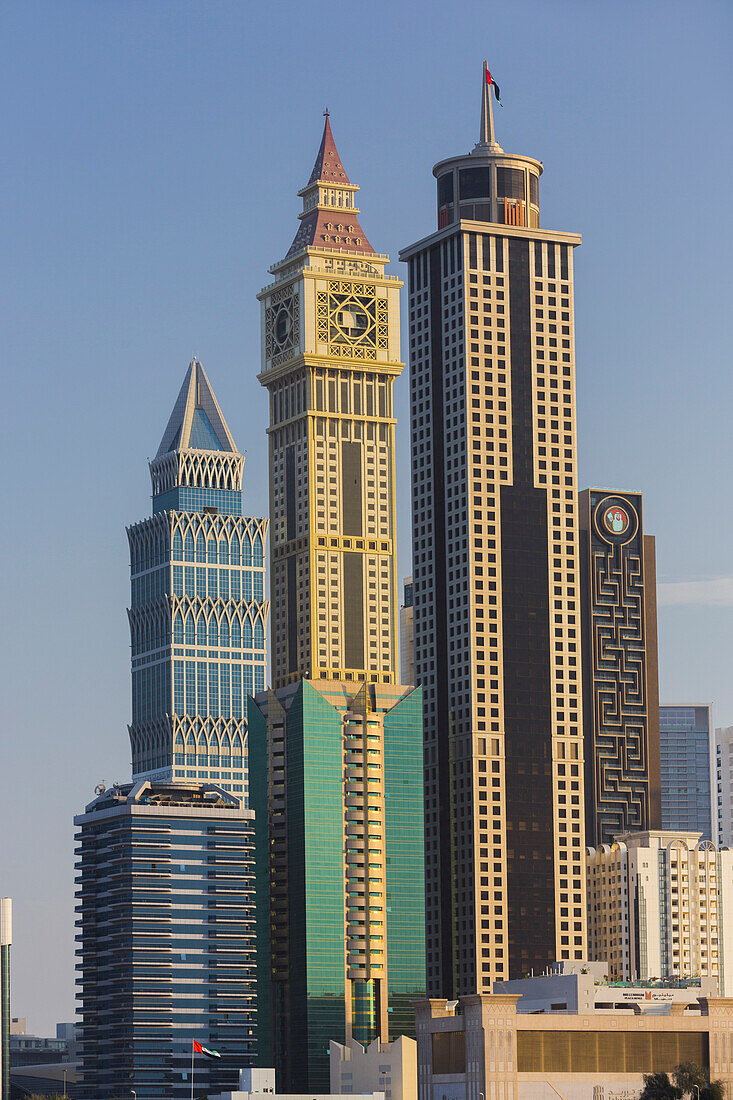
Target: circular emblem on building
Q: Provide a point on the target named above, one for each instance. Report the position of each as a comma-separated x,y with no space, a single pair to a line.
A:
616,520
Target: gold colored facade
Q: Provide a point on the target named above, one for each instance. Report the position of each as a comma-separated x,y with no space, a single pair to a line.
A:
331,353
495,575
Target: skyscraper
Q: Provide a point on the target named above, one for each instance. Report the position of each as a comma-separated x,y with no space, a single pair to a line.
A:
723,797
336,748
495,572
165,882
687,765
407,634
198,615
620,678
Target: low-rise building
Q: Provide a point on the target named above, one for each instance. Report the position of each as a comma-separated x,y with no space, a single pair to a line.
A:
660,905
571,987
390,1068
482,1048
259,1084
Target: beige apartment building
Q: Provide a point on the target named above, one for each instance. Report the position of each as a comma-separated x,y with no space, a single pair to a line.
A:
660,905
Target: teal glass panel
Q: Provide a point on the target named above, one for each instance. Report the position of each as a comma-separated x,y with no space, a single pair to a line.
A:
405,871
315,842
203,437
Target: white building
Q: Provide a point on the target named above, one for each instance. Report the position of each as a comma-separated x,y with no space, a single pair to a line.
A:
660,905
723,793
389,1067
585,989
259,1084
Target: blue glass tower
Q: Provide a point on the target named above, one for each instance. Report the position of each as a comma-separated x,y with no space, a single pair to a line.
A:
198,614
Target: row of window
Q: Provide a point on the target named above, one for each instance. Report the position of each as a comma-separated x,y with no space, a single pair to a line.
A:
213,552
215,687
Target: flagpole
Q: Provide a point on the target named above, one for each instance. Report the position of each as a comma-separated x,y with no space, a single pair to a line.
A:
192,1069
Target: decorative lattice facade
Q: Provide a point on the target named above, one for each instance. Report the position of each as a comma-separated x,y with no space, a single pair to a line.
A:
198,613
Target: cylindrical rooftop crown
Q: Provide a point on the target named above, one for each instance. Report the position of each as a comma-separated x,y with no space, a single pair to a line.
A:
487,184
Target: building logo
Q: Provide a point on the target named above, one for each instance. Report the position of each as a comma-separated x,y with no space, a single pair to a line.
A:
616,520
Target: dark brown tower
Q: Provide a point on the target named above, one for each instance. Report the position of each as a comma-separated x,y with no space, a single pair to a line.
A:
620,677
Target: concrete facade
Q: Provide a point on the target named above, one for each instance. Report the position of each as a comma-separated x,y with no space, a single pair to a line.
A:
481,1048
389,1067
586,989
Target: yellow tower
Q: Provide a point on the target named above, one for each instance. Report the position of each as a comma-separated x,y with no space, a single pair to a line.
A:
330,355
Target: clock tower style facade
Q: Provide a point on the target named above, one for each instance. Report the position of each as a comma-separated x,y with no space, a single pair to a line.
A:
331,354
495,574
336,747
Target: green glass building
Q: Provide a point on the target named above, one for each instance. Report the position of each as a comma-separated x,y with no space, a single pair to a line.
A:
336,786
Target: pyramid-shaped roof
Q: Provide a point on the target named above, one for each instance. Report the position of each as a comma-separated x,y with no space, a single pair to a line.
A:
196,423
333,227
328,167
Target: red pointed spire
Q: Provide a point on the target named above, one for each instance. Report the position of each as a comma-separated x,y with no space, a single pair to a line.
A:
333,224
328,166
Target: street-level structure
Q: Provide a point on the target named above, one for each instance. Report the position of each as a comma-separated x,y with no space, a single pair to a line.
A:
660,905
165,917
620,669
496,573
336,747
483,1046
198,614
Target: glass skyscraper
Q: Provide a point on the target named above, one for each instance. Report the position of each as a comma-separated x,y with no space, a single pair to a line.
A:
685,736
165,919
198,615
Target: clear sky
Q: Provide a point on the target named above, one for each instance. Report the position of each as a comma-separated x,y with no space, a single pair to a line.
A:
152,154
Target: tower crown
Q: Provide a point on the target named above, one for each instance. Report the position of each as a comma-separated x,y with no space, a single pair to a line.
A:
487,184
329,216
197,450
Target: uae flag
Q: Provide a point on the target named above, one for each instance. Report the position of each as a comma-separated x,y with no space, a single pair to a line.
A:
199,1049
492,83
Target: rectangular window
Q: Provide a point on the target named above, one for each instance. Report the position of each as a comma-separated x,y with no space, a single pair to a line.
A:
237,691
201,706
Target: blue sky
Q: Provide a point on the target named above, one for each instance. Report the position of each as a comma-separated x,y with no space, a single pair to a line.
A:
153,151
